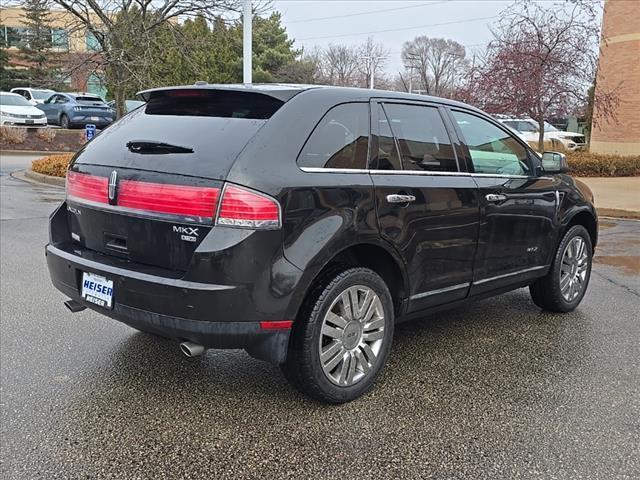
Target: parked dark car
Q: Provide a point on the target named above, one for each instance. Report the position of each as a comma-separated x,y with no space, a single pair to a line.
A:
303,223
71,110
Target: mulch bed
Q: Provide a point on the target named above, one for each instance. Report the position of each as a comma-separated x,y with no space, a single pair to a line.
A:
64,141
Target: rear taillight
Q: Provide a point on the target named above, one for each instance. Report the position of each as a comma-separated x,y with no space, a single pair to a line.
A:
183,200
241,207
81,186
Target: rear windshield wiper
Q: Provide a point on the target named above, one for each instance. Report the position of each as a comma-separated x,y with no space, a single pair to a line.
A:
144,146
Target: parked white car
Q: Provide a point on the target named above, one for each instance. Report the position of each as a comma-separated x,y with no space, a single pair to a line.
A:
528,129
16,111
33,95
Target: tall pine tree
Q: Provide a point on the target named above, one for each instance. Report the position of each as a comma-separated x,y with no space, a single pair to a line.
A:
36,49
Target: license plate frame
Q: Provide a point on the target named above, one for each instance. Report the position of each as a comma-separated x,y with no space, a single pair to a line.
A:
97,290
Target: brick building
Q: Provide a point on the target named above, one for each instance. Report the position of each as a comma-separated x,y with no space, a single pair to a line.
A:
72,47
620,66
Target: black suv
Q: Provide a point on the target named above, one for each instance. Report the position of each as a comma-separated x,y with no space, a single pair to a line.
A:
301,223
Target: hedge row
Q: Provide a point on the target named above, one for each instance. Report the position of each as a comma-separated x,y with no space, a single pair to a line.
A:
581,164
54,165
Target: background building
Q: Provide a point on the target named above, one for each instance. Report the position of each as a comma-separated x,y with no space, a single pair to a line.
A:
619,66
72,46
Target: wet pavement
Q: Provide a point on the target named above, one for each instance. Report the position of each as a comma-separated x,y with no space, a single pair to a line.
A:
495,390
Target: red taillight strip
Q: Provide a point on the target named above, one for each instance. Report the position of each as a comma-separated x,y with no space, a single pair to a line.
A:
181,200
242,207
87,187
276,324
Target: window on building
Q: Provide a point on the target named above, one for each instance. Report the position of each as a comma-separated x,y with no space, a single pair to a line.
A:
340,140
92,42
59,39
14,36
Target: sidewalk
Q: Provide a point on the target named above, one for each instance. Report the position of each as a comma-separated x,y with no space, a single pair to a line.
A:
617,193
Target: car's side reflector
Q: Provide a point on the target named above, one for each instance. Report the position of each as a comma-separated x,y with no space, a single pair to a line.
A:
276,325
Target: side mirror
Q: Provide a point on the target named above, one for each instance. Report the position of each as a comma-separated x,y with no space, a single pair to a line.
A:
554,162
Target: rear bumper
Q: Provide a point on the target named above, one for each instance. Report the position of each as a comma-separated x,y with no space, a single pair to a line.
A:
170,307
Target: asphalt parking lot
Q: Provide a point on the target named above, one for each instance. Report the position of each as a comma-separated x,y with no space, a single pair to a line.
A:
496,390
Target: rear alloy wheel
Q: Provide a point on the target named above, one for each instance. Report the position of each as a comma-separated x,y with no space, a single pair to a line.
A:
342,339
64,121
563,288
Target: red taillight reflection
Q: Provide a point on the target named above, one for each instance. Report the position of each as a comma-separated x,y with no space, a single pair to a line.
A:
241,207
87,187
181,200
276,324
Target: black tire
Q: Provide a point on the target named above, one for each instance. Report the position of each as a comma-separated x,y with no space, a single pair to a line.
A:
303,368
546,291
64,121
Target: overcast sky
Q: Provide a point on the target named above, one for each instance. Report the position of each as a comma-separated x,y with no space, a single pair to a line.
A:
391,22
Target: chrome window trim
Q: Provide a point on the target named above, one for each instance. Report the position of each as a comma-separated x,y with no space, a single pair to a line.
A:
410,172
440,290
498,277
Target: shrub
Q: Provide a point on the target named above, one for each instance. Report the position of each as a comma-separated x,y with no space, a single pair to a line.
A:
46,134
587,164
13,135
54,165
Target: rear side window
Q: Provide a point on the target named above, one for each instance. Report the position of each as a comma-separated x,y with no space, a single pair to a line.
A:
212,103
422,138
340,140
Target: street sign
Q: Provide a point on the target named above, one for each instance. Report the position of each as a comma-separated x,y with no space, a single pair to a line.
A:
89,131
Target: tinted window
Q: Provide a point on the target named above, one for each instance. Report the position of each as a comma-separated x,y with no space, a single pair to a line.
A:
212,103
340,140
492,149
387,154
422,138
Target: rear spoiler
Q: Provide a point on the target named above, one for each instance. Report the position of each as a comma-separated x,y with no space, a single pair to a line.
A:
280,92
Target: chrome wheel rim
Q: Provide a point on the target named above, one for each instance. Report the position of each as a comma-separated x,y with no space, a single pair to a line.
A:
573,270
352,335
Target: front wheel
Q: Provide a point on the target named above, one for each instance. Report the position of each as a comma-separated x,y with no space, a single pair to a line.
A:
342,338
563,288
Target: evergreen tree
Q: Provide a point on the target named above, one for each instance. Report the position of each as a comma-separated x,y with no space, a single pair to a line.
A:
36,49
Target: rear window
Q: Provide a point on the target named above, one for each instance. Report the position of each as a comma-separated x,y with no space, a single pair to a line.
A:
88,99
212,103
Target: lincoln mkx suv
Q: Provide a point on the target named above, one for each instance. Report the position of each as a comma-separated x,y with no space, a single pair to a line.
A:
302,223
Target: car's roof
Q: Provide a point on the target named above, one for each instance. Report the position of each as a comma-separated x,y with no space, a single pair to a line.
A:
285,91
32,88
11,93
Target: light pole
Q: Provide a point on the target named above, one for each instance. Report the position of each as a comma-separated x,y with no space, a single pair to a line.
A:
247,21
372,66
410,68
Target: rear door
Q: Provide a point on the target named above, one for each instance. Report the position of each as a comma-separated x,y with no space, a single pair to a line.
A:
427,207
147,188
518,206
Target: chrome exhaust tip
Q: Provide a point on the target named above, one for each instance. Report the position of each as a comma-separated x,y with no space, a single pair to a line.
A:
74,306
191,349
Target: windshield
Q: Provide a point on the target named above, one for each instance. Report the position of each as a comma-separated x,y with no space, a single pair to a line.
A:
14,101
550,128
41,94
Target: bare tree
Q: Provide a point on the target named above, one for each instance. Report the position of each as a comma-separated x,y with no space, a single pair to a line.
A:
372,58
541,62
340,65
124,32
435,60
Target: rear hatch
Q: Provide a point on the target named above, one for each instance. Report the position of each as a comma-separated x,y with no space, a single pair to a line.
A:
92,106
147,188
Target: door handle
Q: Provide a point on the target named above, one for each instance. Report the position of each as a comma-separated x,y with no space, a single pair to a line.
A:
496,197
401,198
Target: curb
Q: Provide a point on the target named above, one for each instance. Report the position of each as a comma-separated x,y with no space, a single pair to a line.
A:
41,178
